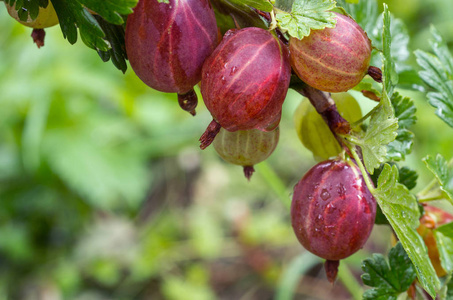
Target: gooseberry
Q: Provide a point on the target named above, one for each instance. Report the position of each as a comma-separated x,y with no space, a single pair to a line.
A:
246,147
244,82
167,43
313,131
332,59
47,17
333,211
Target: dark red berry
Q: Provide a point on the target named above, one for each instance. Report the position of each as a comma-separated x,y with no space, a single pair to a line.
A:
332,59
245,81
167,43
332,210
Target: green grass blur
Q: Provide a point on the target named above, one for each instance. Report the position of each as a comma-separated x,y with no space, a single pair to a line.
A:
104,193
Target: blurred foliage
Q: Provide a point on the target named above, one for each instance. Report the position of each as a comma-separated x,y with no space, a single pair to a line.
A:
104,193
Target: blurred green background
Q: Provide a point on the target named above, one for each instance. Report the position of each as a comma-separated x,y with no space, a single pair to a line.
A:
104,193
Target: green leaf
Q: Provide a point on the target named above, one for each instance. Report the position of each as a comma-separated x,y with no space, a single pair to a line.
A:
401,209
262,5
437,73
388,279
306,15
381,131
111,10
443,173
405,112
72,15
390,77
401,146
444,242
114,34
408,177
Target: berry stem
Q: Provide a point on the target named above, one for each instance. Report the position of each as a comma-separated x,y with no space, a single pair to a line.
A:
375,73
38,36
209,135
188,101
433,198
248,172
362,168
331,267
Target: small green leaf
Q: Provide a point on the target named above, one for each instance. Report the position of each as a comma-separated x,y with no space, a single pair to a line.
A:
114,34
388,279
401,146
405,112
111,10
408,177
72,15
444,242
437,73
306,15
401,209
381,131
444,174
390,77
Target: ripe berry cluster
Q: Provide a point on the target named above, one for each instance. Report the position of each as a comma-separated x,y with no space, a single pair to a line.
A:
244,77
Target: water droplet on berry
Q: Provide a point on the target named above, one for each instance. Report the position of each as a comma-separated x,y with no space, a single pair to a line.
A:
341,190
325,195
331,208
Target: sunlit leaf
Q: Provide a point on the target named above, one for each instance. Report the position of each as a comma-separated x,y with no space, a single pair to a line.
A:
443,172
401,209
306,15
